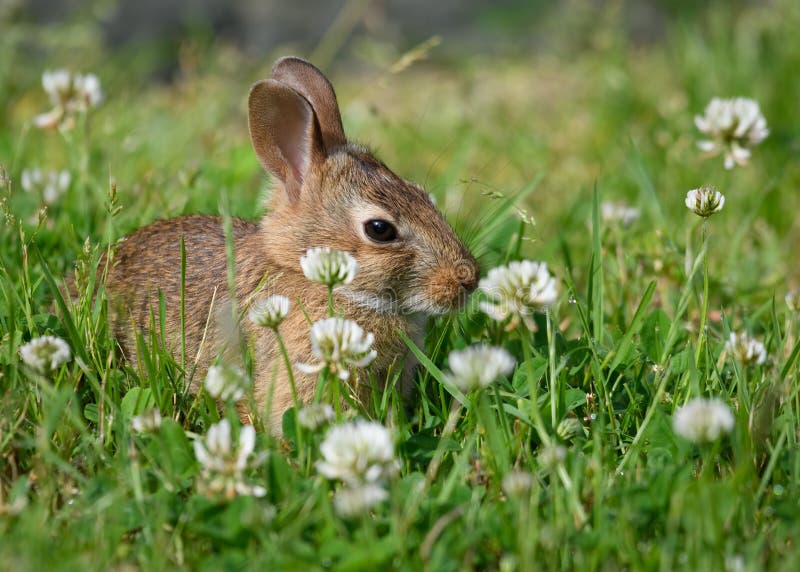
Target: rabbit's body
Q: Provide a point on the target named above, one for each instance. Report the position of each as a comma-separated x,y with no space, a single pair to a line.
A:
327,192
208,310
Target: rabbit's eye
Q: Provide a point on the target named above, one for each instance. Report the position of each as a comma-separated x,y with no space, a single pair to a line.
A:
380,230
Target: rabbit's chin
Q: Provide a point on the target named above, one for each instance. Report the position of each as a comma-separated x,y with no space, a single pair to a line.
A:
385,304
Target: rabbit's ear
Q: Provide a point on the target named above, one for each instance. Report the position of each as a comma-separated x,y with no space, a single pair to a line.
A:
309,82
285,133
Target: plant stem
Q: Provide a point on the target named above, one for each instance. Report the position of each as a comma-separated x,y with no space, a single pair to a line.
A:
447,432
295,399
701,339
497,446
551,358
536,415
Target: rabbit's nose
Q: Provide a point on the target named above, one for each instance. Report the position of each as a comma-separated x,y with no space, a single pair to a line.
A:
449,286
467,274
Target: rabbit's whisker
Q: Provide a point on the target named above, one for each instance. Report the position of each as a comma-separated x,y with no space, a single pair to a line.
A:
374,302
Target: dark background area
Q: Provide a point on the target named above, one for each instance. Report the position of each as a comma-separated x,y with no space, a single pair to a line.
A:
365,30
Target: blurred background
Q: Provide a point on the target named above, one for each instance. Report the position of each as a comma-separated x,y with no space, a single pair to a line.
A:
473,99
373,31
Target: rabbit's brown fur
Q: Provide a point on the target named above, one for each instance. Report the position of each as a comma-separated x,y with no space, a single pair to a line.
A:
324,190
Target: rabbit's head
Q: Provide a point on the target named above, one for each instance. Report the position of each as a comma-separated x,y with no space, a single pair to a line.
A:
329,192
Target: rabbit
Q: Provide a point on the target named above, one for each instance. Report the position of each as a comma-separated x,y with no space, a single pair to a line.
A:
326,192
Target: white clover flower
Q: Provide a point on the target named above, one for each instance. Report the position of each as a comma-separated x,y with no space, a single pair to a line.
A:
350,502
734,126
551,456
339,344
517,483
703,420
56,84
478,366
517,290
52,118
87,87
32,180
16,506
793,300
328,266
358,452
569,428
69,94
734,563
746,349
619,213
147,422
45,353
270,312
226,382
49,186
223,465
705,201
315,415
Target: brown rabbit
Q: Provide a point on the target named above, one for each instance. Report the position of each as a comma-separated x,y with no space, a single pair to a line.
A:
327,192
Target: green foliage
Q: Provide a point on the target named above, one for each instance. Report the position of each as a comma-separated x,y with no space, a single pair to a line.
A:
494,142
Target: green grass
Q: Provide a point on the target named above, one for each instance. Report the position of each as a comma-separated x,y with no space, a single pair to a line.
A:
554,134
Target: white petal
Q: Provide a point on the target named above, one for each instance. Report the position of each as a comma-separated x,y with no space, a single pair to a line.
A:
310,368
247,444
707,146
729,161
201,453
47,120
